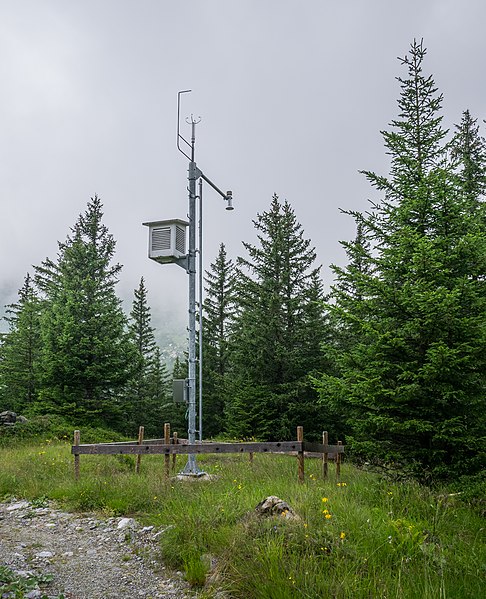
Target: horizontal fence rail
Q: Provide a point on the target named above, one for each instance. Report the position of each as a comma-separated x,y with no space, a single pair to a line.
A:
173,446
132,448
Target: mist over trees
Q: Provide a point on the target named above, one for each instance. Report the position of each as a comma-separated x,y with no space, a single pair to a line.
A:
392,361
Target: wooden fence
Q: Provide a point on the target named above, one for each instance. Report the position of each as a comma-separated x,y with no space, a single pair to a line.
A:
173,446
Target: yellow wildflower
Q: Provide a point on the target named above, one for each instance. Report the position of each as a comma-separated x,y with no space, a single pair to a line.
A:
324,499
342,535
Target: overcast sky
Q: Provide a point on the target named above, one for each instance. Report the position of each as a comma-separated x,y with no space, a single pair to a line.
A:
292,96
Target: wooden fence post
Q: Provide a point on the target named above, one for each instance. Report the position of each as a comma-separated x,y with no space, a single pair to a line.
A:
174,455
300,454
325,455
167,442
139,455
77,438
250,456
338,461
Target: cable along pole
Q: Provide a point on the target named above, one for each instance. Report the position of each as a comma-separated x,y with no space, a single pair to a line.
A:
194,175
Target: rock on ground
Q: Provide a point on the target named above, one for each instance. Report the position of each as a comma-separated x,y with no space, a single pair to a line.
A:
274,506
89,557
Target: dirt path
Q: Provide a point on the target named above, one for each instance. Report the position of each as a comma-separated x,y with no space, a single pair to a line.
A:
90,558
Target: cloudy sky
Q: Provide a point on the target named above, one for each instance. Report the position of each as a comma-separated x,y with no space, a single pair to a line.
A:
292,95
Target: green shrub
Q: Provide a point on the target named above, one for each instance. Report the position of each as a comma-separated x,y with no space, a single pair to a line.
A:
13,585
39,428
472,490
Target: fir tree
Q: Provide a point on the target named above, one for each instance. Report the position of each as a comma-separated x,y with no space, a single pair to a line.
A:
469,149
411,380
87,357
279,330
147,389
176,413
218,320
19,377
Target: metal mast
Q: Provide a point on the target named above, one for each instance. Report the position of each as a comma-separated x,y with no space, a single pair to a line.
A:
194,174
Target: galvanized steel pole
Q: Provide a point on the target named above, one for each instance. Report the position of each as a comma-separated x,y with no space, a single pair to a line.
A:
201,293
191,466
195,174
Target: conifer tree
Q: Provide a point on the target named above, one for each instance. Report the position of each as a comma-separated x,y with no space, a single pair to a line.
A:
469,149
147,389
176,413
19,377
179,370
411,381
87,357
279,330
218,319
346,314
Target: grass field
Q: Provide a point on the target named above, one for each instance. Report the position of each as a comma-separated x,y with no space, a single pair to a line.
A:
359,537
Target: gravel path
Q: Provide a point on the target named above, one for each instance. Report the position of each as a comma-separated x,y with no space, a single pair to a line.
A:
90,558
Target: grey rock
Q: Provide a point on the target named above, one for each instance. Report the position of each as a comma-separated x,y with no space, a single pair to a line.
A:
147,529
274,506
126,523
8,417
44,555
19,505
24,573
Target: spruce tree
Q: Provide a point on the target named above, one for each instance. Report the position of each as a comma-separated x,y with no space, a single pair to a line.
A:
87,357
348,310
176,413
469,149
147,389
279,330
19,376
411,378
219,312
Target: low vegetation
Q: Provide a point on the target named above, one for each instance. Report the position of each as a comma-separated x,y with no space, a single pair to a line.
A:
361,536
19,586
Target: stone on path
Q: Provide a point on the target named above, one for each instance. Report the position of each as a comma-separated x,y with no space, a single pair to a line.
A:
126,523
20,505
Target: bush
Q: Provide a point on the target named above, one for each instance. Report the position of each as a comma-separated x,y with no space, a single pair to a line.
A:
472,490
54,427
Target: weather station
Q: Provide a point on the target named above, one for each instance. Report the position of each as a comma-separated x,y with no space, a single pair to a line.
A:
174,242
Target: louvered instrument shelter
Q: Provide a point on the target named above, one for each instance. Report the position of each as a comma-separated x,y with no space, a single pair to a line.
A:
167,240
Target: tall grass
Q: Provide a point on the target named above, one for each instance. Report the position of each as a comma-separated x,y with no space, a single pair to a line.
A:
360,537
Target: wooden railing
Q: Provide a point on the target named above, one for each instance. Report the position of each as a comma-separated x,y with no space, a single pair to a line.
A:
173,446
